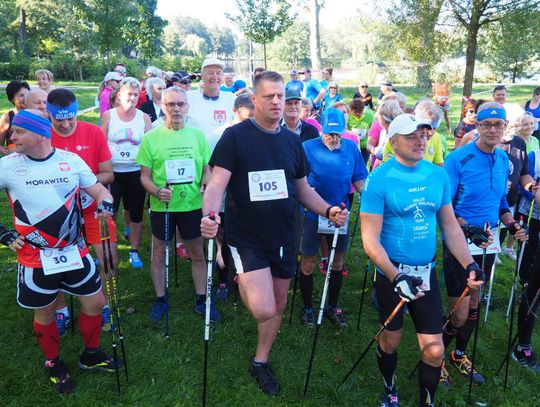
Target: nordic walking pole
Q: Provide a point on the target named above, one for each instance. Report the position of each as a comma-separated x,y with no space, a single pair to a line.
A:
490,290
368,268
477,326
295,283
321,307
71,310
175,261
104,235
210,258
167,266
521,250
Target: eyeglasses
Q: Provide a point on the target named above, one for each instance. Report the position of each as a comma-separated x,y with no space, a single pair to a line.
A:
364,86
332,87
172,105
487,126
185,82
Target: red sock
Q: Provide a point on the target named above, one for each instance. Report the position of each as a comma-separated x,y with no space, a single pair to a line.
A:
90,327
47,337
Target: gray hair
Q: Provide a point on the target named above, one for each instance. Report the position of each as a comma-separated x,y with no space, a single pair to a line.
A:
389,109
174,89
150,83
130,82
428,110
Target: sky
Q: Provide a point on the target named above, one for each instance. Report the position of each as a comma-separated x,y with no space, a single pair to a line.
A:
212,11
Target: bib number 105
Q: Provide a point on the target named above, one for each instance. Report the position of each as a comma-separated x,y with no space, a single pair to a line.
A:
267,186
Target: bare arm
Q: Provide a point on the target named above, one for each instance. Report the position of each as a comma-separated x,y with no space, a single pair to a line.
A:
313,201
212,199
319,97
4,126
105,173
358,185
105,120
98,193
206,176
147,123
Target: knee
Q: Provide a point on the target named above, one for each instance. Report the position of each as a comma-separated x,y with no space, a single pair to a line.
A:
94,304
432,353
196,253
264,312
389,341
308,263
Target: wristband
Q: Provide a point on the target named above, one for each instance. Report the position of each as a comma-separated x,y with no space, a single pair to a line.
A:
328,212
157,193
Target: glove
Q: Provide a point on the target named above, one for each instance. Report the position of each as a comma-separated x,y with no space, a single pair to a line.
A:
512,228
7,237
475,234
479,274
405,286
105,206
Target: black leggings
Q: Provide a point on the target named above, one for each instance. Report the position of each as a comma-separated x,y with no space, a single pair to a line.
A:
127,186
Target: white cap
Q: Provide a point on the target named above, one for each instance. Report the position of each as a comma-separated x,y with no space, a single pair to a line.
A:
406,124
112,76
212,62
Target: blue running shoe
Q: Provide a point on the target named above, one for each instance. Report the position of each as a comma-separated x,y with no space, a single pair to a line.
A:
215,315
157,312
127,233
389,400
135,259
222,292
61,322
106,322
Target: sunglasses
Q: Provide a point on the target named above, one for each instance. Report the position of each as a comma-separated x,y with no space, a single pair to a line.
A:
364,86
332,87
185,82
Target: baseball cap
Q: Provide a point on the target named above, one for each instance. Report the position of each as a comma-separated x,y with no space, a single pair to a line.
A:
112,76
211,62
153,71
239,84
293,72
182,76
305,70
292,94
333,121
406,124
386,83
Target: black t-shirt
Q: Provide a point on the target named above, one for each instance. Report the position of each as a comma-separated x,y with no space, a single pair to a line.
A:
516,150
368,99
308,132
245,148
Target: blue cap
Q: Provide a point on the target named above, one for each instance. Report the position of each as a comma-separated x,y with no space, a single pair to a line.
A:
239,85
333,121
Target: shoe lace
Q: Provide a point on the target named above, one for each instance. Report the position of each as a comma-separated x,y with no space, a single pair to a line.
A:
466,363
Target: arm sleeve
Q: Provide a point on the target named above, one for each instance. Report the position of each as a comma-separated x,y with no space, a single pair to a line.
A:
302,168
360,170
372,196
530,161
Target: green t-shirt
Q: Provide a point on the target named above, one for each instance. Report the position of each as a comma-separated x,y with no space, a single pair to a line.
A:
444,144
532,145
185,153
362,124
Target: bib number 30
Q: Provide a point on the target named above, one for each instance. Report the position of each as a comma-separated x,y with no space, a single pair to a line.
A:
61,260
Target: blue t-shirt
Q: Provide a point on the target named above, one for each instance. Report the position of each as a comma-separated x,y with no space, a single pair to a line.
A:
332,172
408,198
294,86
478,181
225,88
535,113
329,101
313,87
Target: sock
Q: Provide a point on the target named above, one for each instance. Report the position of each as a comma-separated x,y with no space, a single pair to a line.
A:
90,327
306,288
257,363
160,299
200,298
334,287
521,347
48,338
64,311
387,366
134,251
449,333
428,378
465,331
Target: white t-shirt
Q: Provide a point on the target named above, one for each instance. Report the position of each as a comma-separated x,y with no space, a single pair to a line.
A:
207,115
124,139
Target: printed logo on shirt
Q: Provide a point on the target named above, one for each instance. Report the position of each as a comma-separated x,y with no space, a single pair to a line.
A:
64,166
220,116
21,171
80,148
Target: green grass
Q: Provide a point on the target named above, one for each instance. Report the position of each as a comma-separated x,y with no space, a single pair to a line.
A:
169,372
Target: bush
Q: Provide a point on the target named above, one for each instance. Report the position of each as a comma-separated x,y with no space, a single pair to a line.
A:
16,68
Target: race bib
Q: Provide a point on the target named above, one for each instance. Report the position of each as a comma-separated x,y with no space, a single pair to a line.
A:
180,171
495,247
267,185
360,133
124,153
61,260
423,272
326,227
86,200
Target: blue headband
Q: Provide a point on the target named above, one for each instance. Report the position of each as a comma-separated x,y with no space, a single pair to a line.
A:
33,123
61,113
495,113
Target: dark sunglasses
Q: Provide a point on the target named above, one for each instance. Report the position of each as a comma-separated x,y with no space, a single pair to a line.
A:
185,82
364,86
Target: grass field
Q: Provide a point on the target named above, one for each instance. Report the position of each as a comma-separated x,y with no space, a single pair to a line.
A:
169,372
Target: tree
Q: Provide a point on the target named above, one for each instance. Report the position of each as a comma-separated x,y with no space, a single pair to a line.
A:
223,41
145,29
473,15
262,20
292,47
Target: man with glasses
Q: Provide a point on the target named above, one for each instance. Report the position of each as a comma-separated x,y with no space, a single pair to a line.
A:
121,69
183,80
291,117
174,165
294,85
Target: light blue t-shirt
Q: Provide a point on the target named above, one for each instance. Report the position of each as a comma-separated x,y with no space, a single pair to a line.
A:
329,101
408,198
313,87
332,172
294,86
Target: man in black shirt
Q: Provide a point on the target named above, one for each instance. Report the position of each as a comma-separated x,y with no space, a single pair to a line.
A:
263,168
291,117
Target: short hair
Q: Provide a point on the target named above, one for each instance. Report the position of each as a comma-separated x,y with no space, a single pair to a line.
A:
307,102
258,70
428,110
329,70
150,83
401,97
523,116
173,89
13,87
130,82
389,109
31,92
499,87
536,91
332,83
112,97
271,76
340,103
468,105
489,105
45,72
61,97
357,106
243,100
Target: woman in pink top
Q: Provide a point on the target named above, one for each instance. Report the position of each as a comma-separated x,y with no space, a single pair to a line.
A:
306,114
110,82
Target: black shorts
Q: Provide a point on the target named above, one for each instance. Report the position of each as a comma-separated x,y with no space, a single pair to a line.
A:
455,276
36,290
128,188
426,312
281,260
311,240
189,224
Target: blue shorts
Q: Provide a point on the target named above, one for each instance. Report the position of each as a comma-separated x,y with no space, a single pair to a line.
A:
311,240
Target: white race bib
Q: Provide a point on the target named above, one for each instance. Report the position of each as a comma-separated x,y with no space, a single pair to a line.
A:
267,185
360,133
180,171
86,200
423,272
61,260
326,227
495,247
123,153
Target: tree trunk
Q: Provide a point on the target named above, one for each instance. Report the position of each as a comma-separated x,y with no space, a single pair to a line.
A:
264,54
470,57
423,79
22,21
314,35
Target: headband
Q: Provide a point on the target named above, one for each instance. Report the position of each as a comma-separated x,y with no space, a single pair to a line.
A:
61,112
495,113
33,123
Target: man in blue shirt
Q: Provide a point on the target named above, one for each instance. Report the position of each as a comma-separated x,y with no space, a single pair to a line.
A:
314,91
402,202
295,84
478,175
334,164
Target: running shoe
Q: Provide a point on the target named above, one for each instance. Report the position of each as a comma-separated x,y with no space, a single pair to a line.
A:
464,365
181,251
526,358
127,233
344,271
61,322
222,292
308,317
335,315
444,379
510,253
157,312
106,319
99,361
389,400
215,315
59,375
497,260
135,259
265,378
323,265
